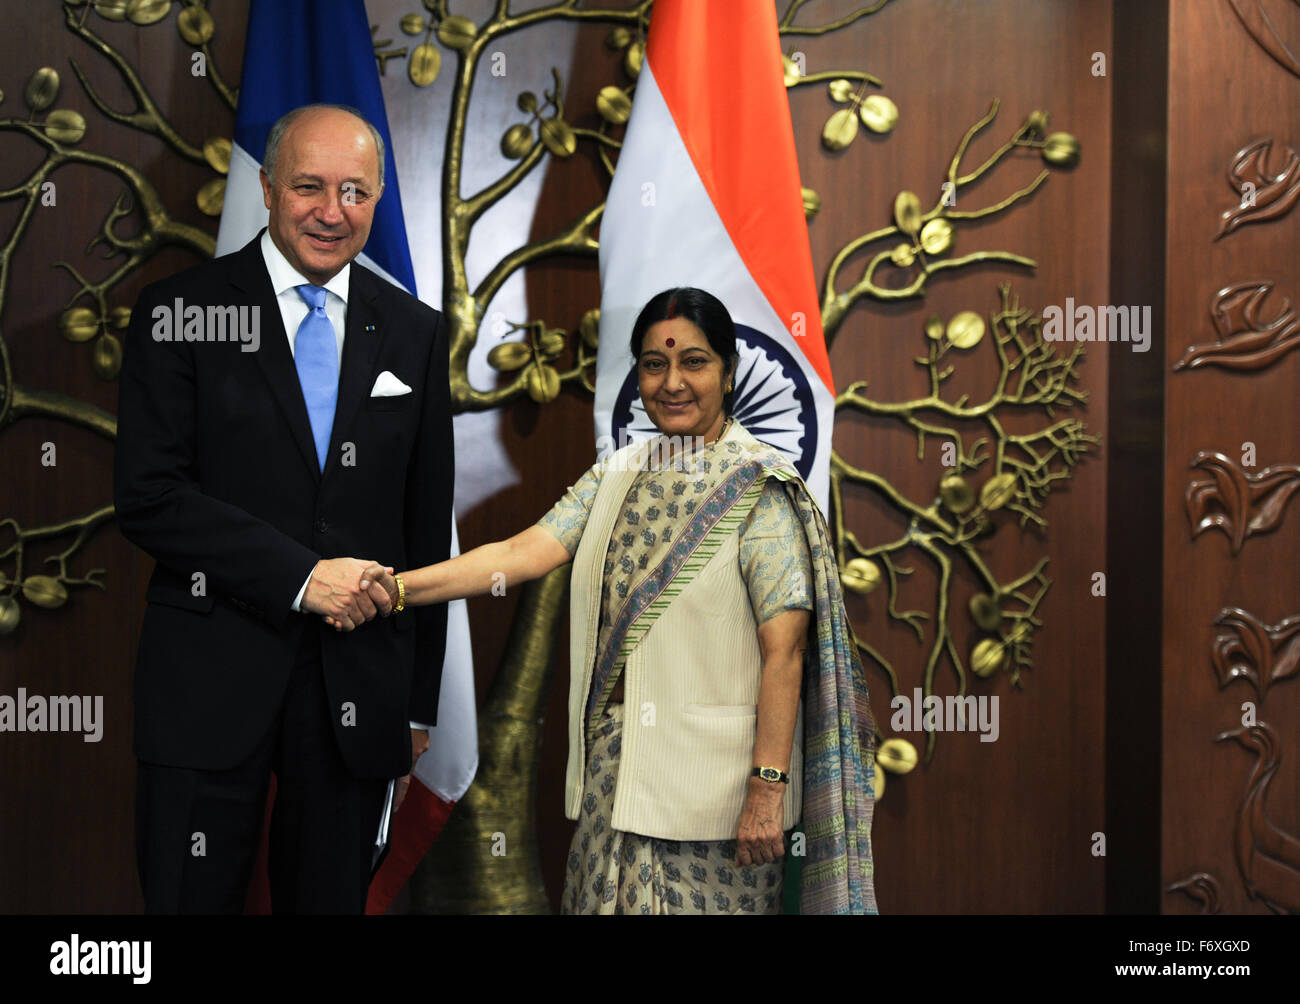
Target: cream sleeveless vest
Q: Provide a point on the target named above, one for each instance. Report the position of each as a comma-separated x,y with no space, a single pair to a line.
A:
690,691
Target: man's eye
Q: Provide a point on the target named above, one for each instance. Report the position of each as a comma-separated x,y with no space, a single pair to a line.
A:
304,189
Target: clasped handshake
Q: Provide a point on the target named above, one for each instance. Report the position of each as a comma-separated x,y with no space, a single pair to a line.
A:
347,592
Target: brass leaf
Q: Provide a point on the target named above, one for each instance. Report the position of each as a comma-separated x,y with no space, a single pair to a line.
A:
457,32
41,89
589,328
517,141
211,197
907,212
789,71
840,90
984,610
195,25
902,255
987,656
509,356
878,776
897,756
10,615
878,113
956,493
1061,150
812,202
414,24
840,129
633,58
423,65
614,106
558,137
936,236
120,317
527,101
216,151
543,383
45,591
998,490
618,38
111,10
108,357
965,329
65,126
934,331
144,12
860,575
79,324
552,342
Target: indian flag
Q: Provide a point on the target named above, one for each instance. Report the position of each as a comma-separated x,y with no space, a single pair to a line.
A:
707,194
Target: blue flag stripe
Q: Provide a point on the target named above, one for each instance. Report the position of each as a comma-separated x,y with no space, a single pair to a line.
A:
306,51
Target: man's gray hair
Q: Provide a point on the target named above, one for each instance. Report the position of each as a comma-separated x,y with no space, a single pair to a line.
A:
278,130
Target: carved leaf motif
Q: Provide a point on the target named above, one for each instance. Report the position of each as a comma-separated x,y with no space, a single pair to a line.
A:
1268,195
1237,502
1262,29
1249,649
1244,340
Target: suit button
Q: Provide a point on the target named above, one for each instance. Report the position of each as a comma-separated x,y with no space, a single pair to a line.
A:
321,526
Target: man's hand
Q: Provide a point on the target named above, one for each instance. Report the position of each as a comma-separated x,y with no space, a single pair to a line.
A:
378,583
419,743
335,592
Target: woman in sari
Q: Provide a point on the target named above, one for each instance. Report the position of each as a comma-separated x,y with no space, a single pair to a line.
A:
716,697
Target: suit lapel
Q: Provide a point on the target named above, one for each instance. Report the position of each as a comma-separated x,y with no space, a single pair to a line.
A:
273,357
363,334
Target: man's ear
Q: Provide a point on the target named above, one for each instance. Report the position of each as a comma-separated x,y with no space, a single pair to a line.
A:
265,179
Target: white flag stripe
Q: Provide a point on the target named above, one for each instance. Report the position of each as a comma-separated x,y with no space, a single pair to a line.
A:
661,229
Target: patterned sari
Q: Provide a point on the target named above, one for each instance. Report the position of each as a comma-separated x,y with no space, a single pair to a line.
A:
673,520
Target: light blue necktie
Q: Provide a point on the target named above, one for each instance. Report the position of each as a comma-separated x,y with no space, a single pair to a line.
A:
316,354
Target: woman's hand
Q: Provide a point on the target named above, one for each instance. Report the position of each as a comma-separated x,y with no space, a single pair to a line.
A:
378,579
759,839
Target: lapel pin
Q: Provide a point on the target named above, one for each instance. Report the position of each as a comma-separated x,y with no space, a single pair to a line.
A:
370,327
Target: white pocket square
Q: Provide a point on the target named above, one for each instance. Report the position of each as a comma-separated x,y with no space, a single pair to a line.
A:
387,385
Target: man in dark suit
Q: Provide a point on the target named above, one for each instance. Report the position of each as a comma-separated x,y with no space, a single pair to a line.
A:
266,455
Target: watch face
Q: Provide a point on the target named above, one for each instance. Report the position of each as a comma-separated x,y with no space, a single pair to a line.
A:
770,774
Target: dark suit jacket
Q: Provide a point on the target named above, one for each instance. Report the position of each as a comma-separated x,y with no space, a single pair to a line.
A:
216,473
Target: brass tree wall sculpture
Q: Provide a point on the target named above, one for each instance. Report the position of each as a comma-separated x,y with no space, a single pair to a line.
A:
90,316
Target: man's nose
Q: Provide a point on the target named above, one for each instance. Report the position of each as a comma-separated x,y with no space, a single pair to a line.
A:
330,208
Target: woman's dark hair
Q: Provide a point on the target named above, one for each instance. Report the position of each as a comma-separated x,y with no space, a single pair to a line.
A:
706,312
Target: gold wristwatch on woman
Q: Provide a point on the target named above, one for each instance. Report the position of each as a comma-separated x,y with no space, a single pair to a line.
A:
771,775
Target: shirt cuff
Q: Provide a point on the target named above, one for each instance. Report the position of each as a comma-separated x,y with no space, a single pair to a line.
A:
297,600
417,725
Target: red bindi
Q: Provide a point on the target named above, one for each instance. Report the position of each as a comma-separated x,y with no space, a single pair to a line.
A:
670,343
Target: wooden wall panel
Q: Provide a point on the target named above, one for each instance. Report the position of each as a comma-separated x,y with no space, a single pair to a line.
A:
1226,91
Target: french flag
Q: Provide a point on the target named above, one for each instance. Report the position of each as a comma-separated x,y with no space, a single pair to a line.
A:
706,193
302,52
